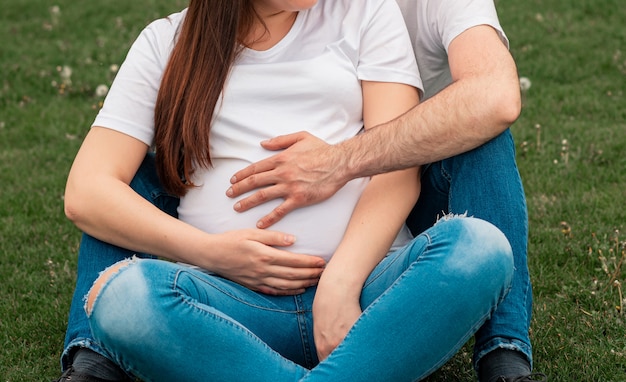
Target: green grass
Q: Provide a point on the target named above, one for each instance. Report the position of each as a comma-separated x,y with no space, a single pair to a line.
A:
573,52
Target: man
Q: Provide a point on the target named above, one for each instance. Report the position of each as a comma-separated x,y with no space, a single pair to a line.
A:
459,134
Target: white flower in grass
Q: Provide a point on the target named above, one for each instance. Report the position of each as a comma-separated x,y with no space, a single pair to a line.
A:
102,90
524,83
114,68
55,13
66,74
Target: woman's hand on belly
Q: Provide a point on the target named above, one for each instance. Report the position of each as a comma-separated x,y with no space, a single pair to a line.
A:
249,257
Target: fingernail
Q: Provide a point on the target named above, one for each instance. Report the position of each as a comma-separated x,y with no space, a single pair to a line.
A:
233,179
237,206
229,192
290,238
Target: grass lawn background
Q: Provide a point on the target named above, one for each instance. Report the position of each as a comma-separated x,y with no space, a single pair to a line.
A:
571,142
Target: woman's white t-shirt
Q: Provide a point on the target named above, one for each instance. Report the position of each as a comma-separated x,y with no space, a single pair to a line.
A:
309,81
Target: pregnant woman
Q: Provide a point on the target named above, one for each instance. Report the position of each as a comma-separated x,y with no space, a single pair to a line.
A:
336,291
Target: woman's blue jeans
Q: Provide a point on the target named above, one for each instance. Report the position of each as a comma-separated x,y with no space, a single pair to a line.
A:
168,322
484,182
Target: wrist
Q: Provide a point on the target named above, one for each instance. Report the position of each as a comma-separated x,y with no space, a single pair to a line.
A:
347,282
347,167
199,249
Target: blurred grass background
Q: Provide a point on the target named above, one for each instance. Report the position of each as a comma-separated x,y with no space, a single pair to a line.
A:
571,142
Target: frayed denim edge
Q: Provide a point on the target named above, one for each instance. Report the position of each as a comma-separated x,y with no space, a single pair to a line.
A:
122,264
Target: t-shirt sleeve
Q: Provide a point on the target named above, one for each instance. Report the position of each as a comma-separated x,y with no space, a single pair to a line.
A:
386,53
453,17
129,105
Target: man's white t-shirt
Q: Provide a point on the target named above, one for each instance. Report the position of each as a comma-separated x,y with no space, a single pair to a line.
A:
433,24
310,80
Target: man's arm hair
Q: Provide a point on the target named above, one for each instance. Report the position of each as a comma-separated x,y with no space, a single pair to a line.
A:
482,101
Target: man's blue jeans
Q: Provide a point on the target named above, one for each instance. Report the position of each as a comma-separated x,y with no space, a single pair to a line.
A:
484,182
168,322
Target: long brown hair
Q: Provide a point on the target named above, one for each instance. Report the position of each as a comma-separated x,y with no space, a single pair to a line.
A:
207,45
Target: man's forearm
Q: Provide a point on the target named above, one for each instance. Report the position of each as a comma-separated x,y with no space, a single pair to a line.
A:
434,130
482,102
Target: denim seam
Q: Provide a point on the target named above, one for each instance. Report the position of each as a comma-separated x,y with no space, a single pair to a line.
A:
201,309
526,288
225,292
397,258
444,174
387,266
457,346
302,328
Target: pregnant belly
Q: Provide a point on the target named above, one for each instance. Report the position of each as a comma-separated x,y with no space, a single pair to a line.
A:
318,228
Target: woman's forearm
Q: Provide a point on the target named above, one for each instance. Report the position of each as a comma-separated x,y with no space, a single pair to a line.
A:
375,223
386,201
99,200
111,211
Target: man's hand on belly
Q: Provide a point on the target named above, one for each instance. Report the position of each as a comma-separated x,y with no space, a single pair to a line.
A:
307,172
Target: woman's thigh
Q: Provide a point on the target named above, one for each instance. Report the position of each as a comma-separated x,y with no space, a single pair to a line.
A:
284,323
390,269
181,295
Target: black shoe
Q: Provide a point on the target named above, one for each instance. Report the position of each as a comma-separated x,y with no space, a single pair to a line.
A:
534,377
71,375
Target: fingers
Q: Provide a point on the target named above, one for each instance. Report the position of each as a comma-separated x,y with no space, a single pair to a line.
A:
292,275
282,287
254,176
295,265
284,141
256,263
259,174
283,258
262,196
286,272
279,292
259,197
273,238
276,214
